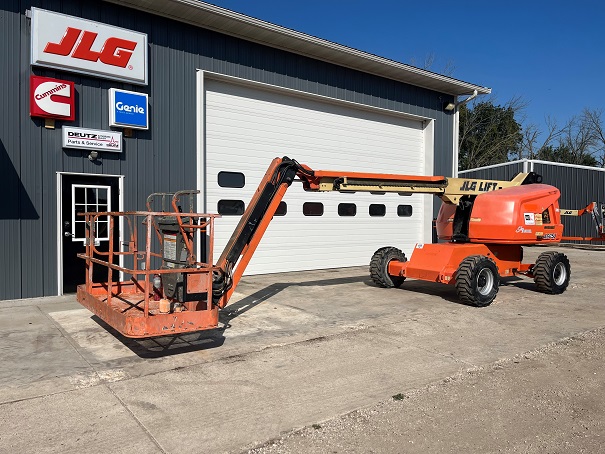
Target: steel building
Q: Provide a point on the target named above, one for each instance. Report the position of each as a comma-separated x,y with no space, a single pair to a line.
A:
225,93
579,185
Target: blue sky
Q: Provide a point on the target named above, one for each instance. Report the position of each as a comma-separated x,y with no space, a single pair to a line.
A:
551,53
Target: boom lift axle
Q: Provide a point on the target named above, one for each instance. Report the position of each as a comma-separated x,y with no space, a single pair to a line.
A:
484,222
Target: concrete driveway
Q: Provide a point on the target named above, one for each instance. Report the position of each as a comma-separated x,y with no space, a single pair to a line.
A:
294,350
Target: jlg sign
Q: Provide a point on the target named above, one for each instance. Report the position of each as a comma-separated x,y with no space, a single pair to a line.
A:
72,44
115,51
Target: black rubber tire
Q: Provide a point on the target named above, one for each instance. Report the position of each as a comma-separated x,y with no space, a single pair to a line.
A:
477,281
379,267
552,272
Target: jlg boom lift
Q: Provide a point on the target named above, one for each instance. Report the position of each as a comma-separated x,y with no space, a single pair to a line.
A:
484,222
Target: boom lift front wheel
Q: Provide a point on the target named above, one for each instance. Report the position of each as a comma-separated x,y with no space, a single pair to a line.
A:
552,272
379,267
477,280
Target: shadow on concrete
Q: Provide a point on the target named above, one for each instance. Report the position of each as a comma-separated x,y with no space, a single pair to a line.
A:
448,292
525,284
158,347
244,305
445,292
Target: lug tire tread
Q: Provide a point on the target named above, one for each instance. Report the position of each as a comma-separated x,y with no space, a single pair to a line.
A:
543,272
379,267
464,281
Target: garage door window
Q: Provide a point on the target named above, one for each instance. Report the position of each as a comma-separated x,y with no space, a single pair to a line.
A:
313,209
231,179
347,209
404,211
377,209
282,209
231,207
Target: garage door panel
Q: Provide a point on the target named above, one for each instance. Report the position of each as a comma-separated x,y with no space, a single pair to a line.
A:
246,128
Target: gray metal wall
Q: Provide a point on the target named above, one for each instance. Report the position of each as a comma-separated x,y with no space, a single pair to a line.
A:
578,186
504,172
162,158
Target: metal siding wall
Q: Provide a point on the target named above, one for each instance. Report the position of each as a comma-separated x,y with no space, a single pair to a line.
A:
578,188
17,203
504,172
161,159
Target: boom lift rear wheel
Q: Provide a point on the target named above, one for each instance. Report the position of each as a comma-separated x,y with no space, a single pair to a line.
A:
552,272
379,267
477,280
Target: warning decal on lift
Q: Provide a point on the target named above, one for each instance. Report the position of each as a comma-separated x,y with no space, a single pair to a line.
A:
170,248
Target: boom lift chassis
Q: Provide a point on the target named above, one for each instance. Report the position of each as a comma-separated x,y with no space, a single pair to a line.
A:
171,292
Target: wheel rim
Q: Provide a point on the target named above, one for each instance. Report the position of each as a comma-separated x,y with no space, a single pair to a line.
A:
559,273
485,281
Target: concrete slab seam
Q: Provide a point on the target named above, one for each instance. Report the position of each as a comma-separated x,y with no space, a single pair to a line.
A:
137,420
102,381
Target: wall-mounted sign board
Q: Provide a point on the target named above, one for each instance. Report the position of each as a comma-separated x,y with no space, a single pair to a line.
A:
79,45
92,139
128,109
51,98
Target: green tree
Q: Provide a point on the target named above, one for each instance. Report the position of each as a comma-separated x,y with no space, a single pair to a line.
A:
489,133
562,153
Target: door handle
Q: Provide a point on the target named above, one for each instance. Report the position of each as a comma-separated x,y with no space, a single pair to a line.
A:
67,234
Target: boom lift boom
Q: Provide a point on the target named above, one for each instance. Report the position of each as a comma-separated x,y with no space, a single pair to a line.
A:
485,223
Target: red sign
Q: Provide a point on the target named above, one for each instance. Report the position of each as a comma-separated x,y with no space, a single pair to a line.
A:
51,98
115,51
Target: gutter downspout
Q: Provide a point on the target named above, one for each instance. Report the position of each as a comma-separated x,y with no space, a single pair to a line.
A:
470,98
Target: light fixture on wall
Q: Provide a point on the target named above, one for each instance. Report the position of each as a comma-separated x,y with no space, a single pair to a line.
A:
451,106
93,155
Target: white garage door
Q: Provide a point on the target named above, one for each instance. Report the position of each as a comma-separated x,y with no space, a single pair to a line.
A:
246,127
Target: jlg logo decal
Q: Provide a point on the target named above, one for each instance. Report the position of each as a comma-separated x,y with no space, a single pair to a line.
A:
79,45
115,51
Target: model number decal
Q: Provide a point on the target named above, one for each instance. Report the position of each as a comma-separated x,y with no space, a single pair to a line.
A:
550,236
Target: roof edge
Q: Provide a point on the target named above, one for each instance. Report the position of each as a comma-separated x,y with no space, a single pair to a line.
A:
219,19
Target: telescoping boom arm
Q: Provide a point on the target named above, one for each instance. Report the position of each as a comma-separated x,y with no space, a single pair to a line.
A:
283,171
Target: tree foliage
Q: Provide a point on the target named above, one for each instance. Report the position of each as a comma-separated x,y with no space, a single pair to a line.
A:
579,141
493,134
489,133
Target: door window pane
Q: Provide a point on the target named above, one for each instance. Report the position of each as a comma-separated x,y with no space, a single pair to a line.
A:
79,195
80,229
377,209
90,199
231,179
102,195
230,207
282,209
347,209
404,210
313,209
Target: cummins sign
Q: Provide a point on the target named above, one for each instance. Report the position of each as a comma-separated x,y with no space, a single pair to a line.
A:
69,43
51,98
128,109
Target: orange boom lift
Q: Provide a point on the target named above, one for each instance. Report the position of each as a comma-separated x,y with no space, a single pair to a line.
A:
169,291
